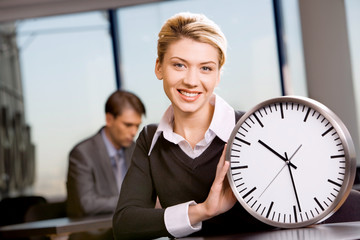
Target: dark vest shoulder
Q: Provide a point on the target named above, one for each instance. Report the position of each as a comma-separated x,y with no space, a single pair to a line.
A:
238,115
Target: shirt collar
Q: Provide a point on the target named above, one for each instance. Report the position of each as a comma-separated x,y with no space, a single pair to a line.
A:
221,125
223,121
109,146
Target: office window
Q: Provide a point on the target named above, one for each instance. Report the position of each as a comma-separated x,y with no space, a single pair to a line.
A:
67,72
251,71
294,50
353,19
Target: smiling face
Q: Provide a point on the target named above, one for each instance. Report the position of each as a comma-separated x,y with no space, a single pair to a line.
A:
190,72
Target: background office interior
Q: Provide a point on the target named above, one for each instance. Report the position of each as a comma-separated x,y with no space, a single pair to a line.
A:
60,60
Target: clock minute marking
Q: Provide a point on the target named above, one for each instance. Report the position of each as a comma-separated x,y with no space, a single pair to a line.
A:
282,111
295,214
318,203
333,182
257,119
268,213
243,141
249,192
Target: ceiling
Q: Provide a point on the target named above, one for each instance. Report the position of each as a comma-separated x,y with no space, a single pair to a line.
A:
11,10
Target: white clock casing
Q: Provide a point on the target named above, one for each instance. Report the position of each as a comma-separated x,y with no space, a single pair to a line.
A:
292,162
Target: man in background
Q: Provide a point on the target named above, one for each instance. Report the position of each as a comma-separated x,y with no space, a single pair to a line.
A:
98,164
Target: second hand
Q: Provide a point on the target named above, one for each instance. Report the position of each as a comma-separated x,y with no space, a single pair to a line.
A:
280,170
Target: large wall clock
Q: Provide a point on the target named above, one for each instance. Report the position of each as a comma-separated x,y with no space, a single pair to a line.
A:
292,162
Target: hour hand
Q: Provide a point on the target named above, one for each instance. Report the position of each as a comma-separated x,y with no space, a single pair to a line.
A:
277,154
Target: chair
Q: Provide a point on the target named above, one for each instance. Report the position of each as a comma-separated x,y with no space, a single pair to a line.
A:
45,211
14,209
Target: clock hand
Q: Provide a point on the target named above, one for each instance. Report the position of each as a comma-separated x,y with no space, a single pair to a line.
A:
272,180
293,183
280,170
295,152
276,153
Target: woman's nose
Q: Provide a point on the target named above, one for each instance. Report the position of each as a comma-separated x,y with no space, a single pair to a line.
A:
191,77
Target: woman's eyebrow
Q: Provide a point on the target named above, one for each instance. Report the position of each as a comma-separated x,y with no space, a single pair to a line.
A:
184,60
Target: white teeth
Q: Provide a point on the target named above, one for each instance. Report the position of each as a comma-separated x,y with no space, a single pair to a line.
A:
188,94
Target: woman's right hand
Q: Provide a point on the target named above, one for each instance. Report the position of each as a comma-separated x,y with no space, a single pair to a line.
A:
220,198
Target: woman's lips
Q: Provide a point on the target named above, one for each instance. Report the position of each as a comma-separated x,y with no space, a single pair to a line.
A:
189,96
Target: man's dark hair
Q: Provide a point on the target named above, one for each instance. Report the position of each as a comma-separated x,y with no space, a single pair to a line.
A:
121,100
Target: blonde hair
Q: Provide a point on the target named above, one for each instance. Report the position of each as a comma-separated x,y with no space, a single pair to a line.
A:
193,26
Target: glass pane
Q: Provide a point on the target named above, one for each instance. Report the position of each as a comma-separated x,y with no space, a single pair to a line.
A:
294,50
67,71
251,71
353,19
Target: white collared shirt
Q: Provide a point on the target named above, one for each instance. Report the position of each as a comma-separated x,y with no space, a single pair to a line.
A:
176,217
221,125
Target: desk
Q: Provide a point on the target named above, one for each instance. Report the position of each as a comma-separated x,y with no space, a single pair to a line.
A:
59,228
330,231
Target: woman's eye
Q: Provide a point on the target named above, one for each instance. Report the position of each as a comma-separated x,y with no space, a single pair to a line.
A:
178,65
205,68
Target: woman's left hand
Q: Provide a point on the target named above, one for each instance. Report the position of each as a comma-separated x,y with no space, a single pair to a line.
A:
220,198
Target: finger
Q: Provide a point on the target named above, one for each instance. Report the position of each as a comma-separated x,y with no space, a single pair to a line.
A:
221,173
222,158
225,169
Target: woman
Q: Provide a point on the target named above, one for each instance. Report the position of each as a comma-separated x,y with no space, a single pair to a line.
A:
182,160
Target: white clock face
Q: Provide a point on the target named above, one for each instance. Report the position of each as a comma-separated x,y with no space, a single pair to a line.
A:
290,164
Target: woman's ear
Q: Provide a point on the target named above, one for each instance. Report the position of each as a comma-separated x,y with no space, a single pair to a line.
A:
158,70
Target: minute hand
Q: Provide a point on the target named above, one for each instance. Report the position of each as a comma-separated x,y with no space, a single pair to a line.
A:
276,153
